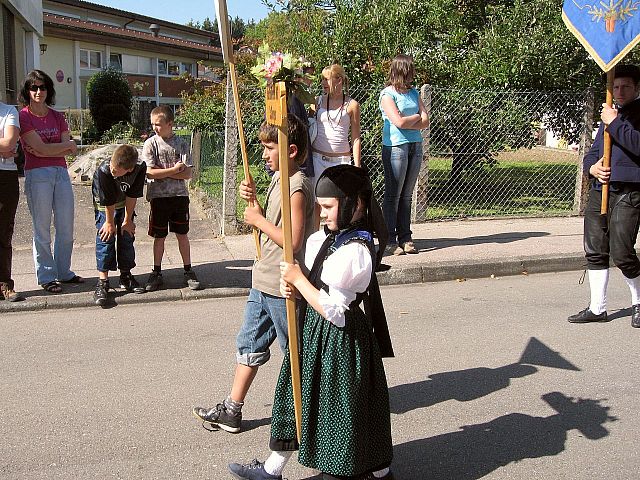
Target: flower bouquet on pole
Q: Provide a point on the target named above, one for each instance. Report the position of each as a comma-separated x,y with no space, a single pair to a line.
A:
274,67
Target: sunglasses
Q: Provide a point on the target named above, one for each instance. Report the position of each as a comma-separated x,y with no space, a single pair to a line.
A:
35,88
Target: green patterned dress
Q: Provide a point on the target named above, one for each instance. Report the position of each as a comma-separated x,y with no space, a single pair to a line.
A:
346,427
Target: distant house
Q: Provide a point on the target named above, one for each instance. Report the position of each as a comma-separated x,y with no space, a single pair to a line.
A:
20,29
81,38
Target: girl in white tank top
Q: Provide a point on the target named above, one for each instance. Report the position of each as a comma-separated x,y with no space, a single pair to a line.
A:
337,116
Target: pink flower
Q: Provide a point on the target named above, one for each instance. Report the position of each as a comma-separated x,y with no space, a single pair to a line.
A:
273,64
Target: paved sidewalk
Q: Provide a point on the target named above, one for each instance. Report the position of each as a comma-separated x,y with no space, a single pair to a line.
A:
447,251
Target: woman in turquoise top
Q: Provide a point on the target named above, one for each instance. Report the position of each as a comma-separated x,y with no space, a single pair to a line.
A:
404,116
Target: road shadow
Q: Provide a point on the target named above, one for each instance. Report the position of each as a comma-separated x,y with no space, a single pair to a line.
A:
229,274
247,425
432,244
621,313
477,450
473,383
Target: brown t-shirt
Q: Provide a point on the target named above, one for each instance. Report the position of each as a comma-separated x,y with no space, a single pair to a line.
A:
266,270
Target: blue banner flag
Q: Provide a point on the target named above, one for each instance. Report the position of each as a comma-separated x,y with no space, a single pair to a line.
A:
608,29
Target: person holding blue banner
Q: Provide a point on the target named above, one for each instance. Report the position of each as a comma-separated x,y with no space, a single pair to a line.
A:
614,235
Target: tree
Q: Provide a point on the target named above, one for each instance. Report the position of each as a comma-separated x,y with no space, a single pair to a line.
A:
203,105
110,99
238,26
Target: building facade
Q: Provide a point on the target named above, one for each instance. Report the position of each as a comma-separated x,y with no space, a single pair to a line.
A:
81,38
20,30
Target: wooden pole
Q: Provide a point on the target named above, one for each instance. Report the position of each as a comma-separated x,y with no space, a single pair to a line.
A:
606,151
277,115
243,143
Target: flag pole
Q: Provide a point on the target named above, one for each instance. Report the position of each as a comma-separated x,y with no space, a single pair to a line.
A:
224,32
606,149
276,106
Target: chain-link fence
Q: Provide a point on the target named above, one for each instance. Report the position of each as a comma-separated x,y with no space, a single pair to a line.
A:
486,153
500,153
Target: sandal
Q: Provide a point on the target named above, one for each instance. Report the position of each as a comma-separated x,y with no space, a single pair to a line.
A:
74,279
52,287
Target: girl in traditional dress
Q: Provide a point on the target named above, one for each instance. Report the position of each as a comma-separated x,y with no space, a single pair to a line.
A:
346,427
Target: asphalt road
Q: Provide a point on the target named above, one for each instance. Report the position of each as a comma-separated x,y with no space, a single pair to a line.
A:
489,381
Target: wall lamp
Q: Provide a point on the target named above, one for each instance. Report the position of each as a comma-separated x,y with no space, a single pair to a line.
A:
43,48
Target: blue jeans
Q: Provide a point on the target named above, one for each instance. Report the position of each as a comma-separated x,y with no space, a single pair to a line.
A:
117,253
265,318
48,190
401,168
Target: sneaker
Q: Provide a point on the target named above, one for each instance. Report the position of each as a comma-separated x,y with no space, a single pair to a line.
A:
154,282
393,249
409,247
100,294
219,416
192,280
251,471
9,294
130,284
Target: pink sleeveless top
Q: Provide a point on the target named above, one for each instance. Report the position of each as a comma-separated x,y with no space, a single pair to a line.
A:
333,128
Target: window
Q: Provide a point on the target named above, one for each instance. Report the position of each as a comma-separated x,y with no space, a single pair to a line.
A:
162,67
130,63
174,68
90,59
115,61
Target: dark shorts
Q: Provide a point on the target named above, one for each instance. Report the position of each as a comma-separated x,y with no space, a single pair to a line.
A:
170,214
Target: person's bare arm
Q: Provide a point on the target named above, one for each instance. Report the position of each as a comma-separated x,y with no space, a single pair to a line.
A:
33,144
253,216
391,111
354,114
158,173
8,142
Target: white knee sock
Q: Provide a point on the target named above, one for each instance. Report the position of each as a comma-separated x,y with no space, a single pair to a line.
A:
274,465
381,473
598,280
634,286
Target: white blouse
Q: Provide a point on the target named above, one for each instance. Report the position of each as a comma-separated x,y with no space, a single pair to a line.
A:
346,272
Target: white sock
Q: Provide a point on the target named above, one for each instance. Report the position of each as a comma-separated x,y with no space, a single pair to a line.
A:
598,280
381,473
274,465
634,286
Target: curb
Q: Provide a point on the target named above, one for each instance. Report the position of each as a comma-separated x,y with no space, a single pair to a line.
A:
398,275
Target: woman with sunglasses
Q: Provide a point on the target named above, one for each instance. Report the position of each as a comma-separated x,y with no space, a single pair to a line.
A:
46,140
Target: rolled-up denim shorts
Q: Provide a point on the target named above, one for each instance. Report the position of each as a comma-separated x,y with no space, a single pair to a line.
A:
265,318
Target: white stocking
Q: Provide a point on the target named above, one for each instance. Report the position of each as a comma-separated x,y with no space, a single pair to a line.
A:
634,286
274,465
598,280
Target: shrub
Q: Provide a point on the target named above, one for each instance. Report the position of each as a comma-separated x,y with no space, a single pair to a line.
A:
110,99
121,132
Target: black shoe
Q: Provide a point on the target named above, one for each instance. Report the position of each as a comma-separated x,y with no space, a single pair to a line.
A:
635,316
100,294
587,316
251,471
219,416
154,282
130,284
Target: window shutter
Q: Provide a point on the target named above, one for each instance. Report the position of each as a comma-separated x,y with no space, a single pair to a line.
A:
9,42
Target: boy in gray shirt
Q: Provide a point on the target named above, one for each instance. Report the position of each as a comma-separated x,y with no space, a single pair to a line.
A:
168,166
